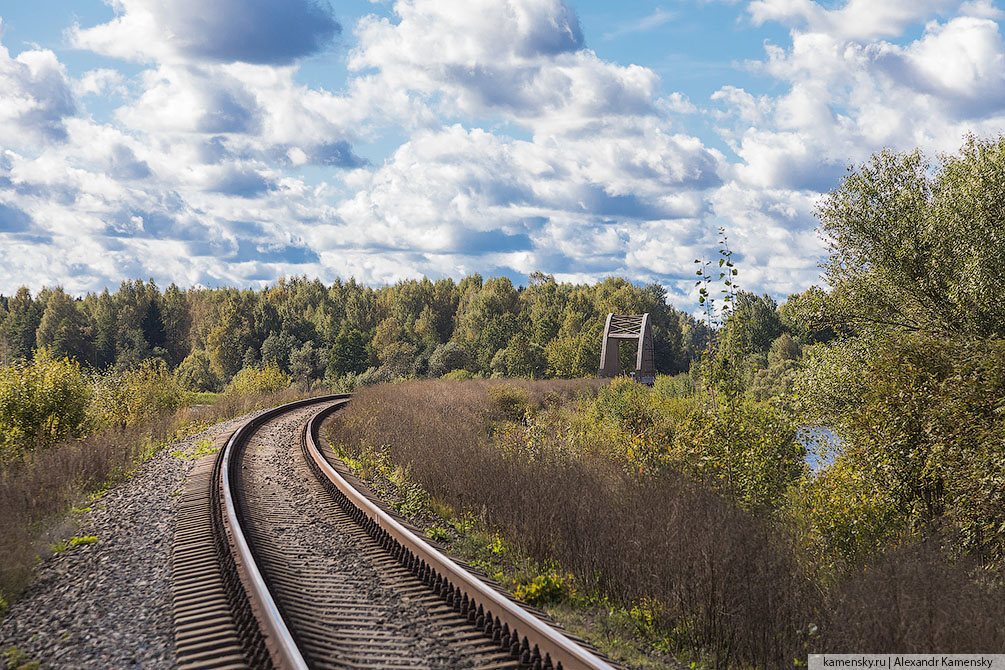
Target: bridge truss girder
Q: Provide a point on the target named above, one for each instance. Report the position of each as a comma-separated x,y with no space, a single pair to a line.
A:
636,327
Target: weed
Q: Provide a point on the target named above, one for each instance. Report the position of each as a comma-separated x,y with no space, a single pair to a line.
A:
18,659
195,398
101,490
49,482
437,534
544,589
510,400
686,567
204,448
74,541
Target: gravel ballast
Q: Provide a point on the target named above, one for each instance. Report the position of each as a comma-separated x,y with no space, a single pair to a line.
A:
108,604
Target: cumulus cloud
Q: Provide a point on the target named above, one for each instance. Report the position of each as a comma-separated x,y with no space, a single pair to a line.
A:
192,99
271,32
103,81
849,95
522,59
37,98
518,148
441,184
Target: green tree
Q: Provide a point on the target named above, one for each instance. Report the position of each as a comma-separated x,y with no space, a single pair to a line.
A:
754,323
196,374
348,355
63,329
23,317
224,340
307,363
177,322
103,316
447,357
41,402
918,247
920,420
804,316
524,358
487,318
277,348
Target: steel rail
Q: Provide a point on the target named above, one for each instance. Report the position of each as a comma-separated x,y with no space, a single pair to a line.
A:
279,640
547,641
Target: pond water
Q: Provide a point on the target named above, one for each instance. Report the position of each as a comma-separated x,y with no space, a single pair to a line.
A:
822,446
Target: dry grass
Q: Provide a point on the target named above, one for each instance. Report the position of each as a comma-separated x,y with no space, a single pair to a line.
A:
915,600
720,583
36,493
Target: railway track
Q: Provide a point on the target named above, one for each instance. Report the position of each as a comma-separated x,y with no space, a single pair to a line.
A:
282,560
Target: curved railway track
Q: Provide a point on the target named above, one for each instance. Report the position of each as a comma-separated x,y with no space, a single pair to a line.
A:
282,560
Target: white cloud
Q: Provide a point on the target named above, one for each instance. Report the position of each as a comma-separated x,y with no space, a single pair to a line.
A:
36,100
520,59
846,99
961,62
100,82
981,8
856,19
225,31
218,161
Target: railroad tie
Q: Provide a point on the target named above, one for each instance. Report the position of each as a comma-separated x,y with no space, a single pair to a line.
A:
205,633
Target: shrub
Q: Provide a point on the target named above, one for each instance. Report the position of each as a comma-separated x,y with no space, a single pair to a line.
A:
510,401
41,402
196,374
446,357
718,582
728,582
844,517
127,398
921,420
544,589
626,403
256,381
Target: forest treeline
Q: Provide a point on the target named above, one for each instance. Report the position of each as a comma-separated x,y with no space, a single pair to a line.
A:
315,331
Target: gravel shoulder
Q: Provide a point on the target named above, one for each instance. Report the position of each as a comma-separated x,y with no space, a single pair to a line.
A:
108,604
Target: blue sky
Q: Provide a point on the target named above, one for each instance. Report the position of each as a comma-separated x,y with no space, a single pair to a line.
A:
234,142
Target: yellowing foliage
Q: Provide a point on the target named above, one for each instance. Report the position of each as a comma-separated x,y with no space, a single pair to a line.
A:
267,379
125,398
41,402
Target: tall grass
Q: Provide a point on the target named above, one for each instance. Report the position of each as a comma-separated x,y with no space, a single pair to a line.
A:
719,581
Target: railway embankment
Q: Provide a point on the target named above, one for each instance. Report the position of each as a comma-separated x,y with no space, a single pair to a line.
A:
106,603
